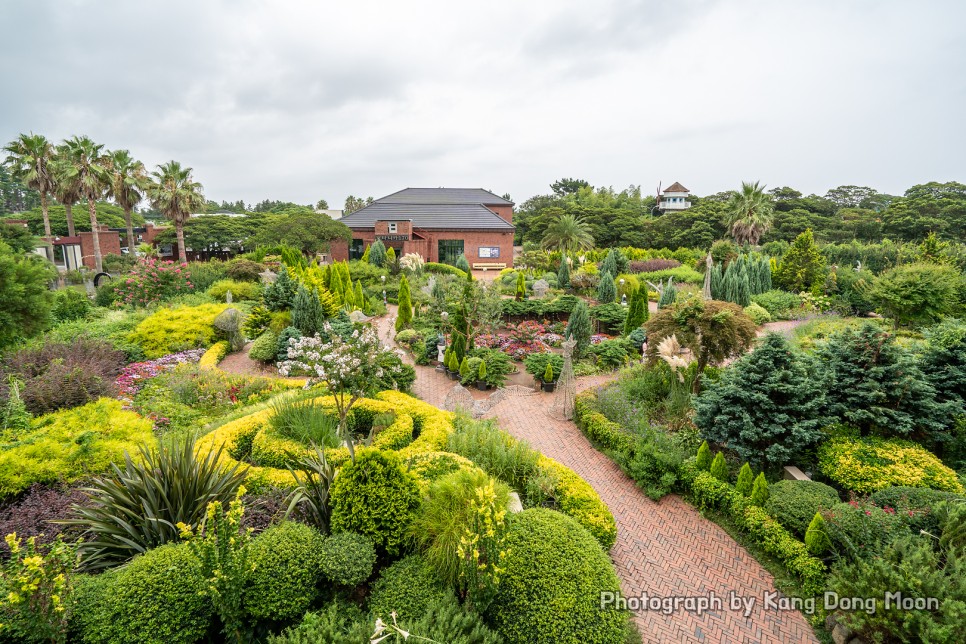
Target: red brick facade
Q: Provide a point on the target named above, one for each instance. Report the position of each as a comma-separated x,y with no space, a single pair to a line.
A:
426,243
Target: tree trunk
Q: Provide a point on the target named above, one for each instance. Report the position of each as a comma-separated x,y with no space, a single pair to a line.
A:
98,260
179,233
69,211
130,231
47,235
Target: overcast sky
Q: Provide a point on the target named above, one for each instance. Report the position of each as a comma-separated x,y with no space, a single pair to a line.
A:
300,100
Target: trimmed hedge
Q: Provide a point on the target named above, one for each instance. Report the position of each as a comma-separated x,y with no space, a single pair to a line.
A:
794,503
178,329
347,558
871,464
709,492
265,347
214,355
577,499
434,267
551,589
407,587
68,445
287,565
159,597
602,432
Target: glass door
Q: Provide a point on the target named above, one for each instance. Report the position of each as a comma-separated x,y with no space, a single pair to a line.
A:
450,250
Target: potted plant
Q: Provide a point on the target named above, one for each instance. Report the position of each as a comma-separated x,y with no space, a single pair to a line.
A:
481,382
549,379
453,367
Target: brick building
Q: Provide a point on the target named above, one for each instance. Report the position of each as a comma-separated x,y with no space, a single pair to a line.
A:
71,253
439,224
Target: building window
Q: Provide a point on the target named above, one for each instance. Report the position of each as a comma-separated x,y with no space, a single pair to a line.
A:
489,252
450,250
392,227
356,249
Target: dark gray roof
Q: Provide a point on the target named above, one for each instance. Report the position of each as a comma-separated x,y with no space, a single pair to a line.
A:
440,216
445,195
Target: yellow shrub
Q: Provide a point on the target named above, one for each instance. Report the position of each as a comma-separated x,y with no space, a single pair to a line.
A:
578,500
867,465
239,290
214,355
172,330
68,445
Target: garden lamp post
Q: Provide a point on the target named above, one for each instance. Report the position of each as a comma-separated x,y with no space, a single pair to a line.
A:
623,295
385,302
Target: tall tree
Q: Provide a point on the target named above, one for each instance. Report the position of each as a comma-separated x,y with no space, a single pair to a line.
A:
749,213
66,188
569,233
128,182
353,204
176,194
29,158
86,164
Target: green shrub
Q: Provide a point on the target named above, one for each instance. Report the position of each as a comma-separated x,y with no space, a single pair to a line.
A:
406,587
178,329
256,322
610,318
68,445
264,348
654,462
746,479
204,274
757,314
159,597
704,457
794,503
684,274
376,498
347,558
433,267
445,620
71,304
280,294
870,464
287,560
551,590
288,333
919,506
611,354
603,432
244,270
239,290
536,364
816,536
861,528
338,623
719,468
910,566
495,452
778,304
760,491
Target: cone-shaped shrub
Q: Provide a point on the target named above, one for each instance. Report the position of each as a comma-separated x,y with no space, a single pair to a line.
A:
746,480
521,287
719,469
606,289
563,273
548,373
481,374
578,328
816,536
405,315
465,367
759,492
703,460
377,253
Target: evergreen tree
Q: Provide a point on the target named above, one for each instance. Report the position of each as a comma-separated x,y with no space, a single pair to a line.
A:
463,264
759,491
521,289
816,536
609,265
359,299
377,253
746,480
307,313
802,267
637,311
336,287
876,386
578,328
460,333
717,283
405,315
719,469
280,294
768,406
563,273
736,287
464,368
606,289
390,256
365,256
944,363
668,295
703,459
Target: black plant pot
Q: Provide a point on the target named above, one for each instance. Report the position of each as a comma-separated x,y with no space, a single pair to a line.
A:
482,385
549,386
453,375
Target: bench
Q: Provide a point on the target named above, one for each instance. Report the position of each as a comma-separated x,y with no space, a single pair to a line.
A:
485,265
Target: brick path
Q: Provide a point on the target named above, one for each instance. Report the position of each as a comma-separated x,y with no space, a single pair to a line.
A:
662,549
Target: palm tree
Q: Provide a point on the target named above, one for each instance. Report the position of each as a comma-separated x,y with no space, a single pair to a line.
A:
176,195
129,180
568,234
749,213
67,191
87,166
30,157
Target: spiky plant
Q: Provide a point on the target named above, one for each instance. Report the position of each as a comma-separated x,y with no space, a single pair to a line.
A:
139,506
313,476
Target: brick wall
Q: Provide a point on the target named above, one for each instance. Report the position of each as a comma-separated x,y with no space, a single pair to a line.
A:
429,249
505,212
110,245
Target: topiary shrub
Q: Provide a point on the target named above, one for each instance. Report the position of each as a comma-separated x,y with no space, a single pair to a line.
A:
287,561
264,348
794,503
703,459
759,491
376,498
406,587
347,558
178,329
159,596
239,290
719,468
757,314
816,536
551,589
746,480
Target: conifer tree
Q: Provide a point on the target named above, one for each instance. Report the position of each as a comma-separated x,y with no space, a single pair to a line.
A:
759,491
464,368
668,295
280,294
521,287
719,468
365,255
802,267
578,328
307,313
405,315
563,273
377,253
768,406
746,479
703,459
606,289
816,536
359,298
463,264
717,283
390,256
637,311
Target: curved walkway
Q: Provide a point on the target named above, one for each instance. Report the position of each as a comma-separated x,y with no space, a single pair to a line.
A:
663,549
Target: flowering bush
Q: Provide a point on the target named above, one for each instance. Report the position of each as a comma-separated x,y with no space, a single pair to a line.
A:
525,332
134,376
151,281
